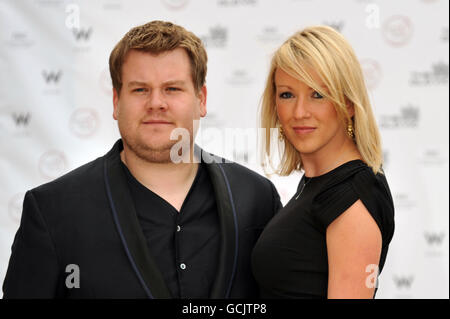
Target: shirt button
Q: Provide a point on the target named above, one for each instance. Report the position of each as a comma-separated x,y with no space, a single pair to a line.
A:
183,266
178,228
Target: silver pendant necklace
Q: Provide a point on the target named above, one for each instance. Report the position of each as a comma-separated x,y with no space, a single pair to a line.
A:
304,184
303,187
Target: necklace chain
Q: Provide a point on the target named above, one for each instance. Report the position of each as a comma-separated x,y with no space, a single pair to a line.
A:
304,184
303,187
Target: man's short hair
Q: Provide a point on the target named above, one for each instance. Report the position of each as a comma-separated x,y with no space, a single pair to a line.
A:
157,37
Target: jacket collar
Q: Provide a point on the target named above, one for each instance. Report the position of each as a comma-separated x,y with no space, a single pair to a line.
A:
133,239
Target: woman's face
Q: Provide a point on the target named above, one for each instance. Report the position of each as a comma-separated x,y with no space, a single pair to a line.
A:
309,120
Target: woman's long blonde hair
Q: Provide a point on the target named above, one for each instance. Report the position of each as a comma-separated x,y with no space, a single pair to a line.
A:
329,54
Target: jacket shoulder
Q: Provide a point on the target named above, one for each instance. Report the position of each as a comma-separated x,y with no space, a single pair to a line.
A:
244,173
79,177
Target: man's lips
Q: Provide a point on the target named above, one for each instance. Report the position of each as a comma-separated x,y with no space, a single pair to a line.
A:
156,122
303,129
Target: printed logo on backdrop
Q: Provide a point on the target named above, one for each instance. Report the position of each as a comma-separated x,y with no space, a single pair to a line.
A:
397,30
408,118
270,39
84,122
216,38
52,79
49,3
270,35
22,122
336,25
15,123
403,285
20,39
403,201
112,5
444,34
82,34
239,78
372,72
438,75
52,164
236,3
434,243
386,159
51,76
105,82
434,156
15,207
175,4
82,38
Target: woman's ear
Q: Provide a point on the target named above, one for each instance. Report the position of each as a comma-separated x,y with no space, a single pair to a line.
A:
350,109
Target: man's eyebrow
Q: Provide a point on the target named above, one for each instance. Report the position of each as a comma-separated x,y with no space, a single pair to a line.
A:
175,82
170,82
136,83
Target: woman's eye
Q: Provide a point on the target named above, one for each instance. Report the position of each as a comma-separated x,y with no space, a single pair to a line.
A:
285,95
317,95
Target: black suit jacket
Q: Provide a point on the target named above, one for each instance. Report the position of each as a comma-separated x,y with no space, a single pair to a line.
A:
87,218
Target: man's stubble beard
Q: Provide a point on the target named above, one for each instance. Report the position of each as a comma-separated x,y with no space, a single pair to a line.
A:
146,152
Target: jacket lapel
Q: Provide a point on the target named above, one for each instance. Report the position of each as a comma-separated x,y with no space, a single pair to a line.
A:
228,227
131,235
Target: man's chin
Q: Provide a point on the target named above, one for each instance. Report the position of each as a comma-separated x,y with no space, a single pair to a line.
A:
152,152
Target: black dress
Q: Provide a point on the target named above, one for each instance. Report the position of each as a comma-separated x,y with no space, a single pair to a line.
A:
290,257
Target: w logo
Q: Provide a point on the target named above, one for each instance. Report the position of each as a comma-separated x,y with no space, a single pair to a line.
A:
21,119
434,238
51,76
403,282
82,34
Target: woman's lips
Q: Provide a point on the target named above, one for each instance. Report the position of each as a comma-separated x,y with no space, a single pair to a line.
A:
303,129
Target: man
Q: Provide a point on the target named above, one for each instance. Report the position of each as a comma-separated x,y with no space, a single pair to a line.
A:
134,223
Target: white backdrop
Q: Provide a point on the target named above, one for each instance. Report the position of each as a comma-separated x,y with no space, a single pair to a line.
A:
56,101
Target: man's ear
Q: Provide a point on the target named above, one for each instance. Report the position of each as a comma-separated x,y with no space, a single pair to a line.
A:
202,94
115,103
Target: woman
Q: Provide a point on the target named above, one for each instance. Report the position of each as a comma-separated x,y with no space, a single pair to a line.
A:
331,239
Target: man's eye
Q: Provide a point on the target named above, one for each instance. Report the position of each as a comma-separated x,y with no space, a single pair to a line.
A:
317,95
285,95
172,89
140,90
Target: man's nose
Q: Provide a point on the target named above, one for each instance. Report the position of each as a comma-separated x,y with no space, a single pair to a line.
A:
157,100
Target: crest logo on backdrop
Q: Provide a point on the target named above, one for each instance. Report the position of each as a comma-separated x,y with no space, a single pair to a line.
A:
84,122
397,30
372,72
175,4
52,164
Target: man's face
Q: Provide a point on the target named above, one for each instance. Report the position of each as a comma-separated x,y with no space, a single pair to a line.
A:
157,96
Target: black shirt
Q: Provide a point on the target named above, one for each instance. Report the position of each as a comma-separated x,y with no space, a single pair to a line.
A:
290,257
185,244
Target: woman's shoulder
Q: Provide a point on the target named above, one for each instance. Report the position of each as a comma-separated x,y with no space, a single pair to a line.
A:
355,181
369,185
360,177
